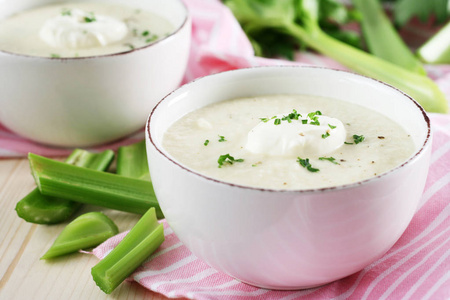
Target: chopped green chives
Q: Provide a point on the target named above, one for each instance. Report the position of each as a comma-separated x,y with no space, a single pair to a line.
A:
358,138
222,138
327,134
330,159
306,164
206,142
277,121
227,158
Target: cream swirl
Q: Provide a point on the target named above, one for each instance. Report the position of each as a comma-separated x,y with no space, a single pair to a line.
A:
76,29
296,137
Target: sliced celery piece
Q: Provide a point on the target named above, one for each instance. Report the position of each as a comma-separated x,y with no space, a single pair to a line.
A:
437,49
383,39
142,240
132,161
40,209
83,185
86,231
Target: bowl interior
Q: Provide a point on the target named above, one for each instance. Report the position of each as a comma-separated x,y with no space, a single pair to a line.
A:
172,10
335,84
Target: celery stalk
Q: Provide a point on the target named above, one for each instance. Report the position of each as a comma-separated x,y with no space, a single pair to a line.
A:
420,88
298,20
40,209
142,240
87,230
83,185
132,161
383,39
437,49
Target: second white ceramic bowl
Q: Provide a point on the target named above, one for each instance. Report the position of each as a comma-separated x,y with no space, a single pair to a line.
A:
86,101
282,239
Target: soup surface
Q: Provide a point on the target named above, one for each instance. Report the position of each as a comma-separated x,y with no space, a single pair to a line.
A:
81,29
288,142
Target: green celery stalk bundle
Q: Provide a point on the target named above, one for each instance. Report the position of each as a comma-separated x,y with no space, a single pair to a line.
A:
142,240
83,185
298,19
383,39
41,209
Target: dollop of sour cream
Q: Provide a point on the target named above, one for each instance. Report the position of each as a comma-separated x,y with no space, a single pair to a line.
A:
77,29
310,134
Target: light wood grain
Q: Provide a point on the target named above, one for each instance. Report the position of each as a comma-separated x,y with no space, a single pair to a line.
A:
23,275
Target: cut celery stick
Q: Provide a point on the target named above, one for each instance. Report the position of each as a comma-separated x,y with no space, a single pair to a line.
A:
142,240
383,39
40,209
437,49
86,231
83,185
132,161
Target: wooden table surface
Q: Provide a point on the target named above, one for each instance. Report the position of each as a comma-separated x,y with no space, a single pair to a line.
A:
23,275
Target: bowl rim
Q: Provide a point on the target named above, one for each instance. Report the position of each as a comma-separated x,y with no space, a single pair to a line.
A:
413,157
65,59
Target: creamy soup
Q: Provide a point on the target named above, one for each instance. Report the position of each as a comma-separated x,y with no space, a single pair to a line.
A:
81,29
288,142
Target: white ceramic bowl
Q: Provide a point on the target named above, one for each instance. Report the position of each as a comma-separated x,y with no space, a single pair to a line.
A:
81,102
282,239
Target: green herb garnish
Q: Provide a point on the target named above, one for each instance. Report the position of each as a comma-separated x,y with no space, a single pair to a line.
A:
145,33
227,158
151,39
331,126
206,142
292,116
66,12
325,135
131,46
90,18
313,116
306,164
330,159
222,138
358,138
277,121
